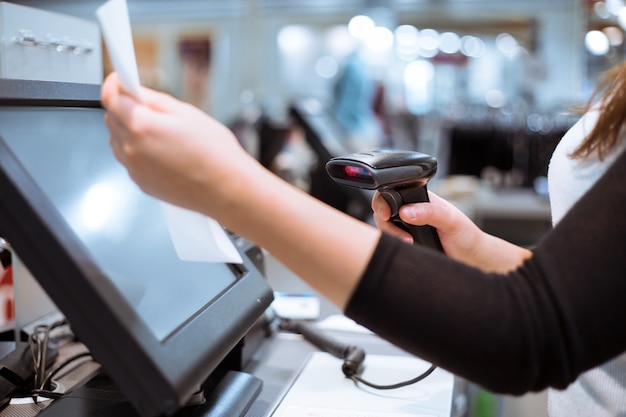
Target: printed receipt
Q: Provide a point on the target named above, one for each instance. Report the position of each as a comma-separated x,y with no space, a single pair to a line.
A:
196,237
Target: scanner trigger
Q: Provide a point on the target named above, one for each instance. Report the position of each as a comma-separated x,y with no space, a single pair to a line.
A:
394,199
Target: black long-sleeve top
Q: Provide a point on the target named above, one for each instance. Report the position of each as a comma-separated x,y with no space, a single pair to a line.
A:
562,312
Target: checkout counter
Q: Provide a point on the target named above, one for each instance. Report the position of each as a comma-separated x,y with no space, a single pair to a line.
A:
287,365
300,380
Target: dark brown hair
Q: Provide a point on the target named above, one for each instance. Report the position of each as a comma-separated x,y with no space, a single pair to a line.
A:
611,98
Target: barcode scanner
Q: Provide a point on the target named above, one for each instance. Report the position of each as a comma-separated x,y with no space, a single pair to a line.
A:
399,176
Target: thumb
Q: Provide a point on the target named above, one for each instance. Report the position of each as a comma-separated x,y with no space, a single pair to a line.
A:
438,213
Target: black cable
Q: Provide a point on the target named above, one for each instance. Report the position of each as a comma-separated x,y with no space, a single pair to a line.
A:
353,356
65,363
40,345
37,392
417,379
53,395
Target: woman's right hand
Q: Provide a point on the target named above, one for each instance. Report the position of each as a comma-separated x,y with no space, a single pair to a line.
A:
460,237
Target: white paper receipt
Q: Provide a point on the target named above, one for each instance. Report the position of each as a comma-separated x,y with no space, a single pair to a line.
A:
199,238
196,238
115,24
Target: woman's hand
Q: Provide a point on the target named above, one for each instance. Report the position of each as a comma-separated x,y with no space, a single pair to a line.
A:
171,149
460,237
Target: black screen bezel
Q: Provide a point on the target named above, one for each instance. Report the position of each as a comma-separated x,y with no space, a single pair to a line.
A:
156,376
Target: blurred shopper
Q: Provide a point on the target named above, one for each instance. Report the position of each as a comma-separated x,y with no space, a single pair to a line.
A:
354,96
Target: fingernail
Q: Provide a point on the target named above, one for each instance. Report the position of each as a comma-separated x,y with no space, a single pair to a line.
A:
410,212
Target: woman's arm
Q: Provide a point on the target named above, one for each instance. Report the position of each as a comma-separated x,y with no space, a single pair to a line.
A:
179,154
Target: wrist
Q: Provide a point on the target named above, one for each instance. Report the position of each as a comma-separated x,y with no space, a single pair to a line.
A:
232,188
509,256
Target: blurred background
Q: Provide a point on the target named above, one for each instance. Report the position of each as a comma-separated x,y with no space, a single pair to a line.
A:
487,86
427,55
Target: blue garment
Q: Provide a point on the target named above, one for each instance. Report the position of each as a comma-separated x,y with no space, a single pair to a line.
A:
353,95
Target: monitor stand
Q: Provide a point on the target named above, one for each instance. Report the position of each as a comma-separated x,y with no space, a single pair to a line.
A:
232,395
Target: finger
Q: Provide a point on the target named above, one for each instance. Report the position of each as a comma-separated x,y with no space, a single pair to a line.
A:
393,230
382,215
418,214
110,87
115,128
116,102
438,213
117,152
380,207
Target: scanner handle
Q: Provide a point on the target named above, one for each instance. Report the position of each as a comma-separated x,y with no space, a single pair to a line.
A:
396,198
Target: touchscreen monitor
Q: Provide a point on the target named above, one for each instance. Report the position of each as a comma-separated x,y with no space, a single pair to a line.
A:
101,249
